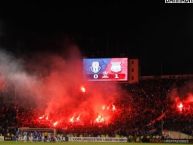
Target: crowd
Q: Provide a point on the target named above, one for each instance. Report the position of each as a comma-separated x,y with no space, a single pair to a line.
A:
146,110
37,136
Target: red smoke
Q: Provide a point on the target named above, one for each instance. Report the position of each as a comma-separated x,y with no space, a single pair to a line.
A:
182,99
62,97
180,106
189,98
2,83
55,87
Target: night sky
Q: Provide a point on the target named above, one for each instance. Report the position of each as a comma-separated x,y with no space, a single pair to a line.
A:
159,34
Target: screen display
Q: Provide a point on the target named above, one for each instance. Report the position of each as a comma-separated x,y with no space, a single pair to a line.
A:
106,69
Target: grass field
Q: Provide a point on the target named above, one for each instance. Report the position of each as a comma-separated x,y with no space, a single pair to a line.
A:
80,143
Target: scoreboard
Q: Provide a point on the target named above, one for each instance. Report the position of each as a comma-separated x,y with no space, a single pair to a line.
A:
106,69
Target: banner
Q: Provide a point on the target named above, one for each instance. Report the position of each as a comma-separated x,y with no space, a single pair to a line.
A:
97,139
7,138
176,141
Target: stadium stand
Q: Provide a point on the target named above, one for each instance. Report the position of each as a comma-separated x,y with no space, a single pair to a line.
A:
152,114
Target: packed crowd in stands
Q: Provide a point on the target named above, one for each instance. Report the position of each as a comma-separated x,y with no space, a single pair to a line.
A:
147,110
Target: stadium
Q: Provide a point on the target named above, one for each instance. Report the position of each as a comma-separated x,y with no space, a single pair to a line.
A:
126,79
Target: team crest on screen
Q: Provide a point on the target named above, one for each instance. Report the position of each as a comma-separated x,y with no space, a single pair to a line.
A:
95,68
116,67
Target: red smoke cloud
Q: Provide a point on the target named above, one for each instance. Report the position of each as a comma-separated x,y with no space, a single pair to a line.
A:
182,99
57,87
65,96
2,83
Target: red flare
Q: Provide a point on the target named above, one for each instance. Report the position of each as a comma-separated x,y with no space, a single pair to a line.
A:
180,107
78,118
103,107
113,108
72,119
55,123
47,118
41,117
100,119
83,89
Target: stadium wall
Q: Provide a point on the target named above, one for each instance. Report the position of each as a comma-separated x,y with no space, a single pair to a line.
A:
176,135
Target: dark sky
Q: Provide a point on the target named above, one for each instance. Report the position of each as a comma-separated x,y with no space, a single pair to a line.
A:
158,34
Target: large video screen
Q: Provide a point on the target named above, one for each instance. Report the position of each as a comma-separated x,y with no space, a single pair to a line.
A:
106,69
